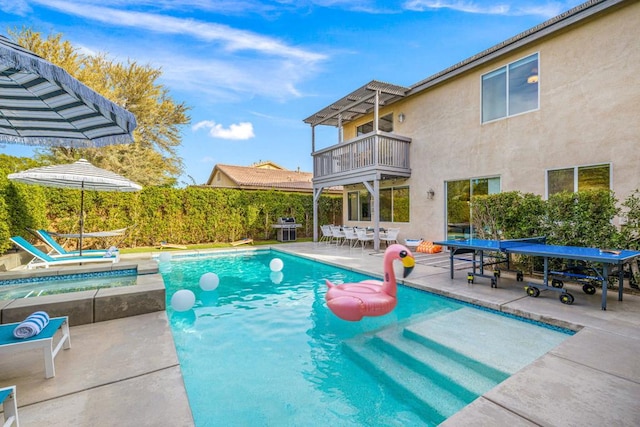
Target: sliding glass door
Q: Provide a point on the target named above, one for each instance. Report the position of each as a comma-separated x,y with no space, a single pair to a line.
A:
459,195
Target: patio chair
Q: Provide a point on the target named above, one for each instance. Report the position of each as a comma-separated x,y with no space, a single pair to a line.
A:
59,250
10,406
350,236
363,237
42,259
337,234
326,234
44,340
390,236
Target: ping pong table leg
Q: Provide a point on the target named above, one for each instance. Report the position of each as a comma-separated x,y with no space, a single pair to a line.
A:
451,252
620,281
604,286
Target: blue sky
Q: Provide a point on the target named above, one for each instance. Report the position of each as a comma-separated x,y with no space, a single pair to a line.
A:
252,70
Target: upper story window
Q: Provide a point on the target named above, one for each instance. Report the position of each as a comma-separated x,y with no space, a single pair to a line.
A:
385,124
579,178
510,90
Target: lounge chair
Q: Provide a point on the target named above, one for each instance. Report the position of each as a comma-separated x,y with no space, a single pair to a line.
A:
42,259
165,245
244,241
10,406
44,340
59,250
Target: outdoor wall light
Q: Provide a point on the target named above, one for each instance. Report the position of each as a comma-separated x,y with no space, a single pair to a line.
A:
430,194
401,117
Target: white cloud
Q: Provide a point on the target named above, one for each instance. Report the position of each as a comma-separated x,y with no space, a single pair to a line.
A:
237,132
520,8
205,59
231,39
16,7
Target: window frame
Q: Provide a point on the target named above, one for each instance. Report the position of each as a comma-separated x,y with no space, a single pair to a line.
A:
493,182
393,190
507,70
355,196
576,177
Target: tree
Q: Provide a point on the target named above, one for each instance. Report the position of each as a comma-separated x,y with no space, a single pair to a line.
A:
152,159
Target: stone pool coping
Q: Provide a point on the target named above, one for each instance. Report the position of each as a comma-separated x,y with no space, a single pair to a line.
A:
91,306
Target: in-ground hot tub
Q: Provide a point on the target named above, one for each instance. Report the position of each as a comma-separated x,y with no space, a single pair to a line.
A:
83,294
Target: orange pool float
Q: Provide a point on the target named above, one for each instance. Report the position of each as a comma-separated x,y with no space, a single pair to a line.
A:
428,248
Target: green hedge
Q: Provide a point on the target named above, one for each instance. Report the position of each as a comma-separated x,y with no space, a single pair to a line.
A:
582,219
181,216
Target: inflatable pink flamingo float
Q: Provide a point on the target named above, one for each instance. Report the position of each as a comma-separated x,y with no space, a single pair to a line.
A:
352,301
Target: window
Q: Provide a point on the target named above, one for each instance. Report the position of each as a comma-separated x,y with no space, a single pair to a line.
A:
579,178
385,124
458,203
510,90
394,204
359,205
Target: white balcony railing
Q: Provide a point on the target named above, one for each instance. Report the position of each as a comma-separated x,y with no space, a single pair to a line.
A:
368,152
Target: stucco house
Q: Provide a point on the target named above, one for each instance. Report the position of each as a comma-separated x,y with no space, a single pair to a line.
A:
554,108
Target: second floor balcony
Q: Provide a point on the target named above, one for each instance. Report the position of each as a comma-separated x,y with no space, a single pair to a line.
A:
376,155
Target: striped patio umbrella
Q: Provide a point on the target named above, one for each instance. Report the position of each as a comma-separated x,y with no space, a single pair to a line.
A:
80,175
42,104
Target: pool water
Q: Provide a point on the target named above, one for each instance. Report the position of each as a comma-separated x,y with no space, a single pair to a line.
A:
16,289
264,350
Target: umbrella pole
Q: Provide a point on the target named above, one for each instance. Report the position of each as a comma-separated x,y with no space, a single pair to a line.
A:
81,215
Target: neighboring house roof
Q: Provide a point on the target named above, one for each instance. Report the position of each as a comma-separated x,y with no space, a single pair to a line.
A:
261,177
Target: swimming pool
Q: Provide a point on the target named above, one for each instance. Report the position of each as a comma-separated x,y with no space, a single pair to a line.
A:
30,287
263,349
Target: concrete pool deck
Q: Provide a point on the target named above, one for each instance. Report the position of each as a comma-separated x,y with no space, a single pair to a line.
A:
126,371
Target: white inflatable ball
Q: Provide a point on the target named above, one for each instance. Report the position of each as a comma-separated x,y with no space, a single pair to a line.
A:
209,281
165,257
183,300
276,264
276,277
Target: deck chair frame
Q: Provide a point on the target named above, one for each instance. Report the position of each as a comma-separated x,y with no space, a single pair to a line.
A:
42,259
44,340
58,249
9,406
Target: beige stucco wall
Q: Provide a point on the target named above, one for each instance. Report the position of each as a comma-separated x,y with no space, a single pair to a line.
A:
589,114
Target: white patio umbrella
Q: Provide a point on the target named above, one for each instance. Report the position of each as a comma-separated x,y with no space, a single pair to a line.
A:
80,175
42,104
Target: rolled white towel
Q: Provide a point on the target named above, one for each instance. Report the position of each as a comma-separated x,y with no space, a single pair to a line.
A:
111,252
32,325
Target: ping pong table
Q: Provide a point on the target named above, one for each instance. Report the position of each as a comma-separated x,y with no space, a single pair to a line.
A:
497,252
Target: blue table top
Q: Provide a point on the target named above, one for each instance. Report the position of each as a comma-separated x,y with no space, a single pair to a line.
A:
521,246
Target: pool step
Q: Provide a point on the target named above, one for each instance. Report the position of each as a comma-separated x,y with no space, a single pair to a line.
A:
429,398
504,343
443,362
465,376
